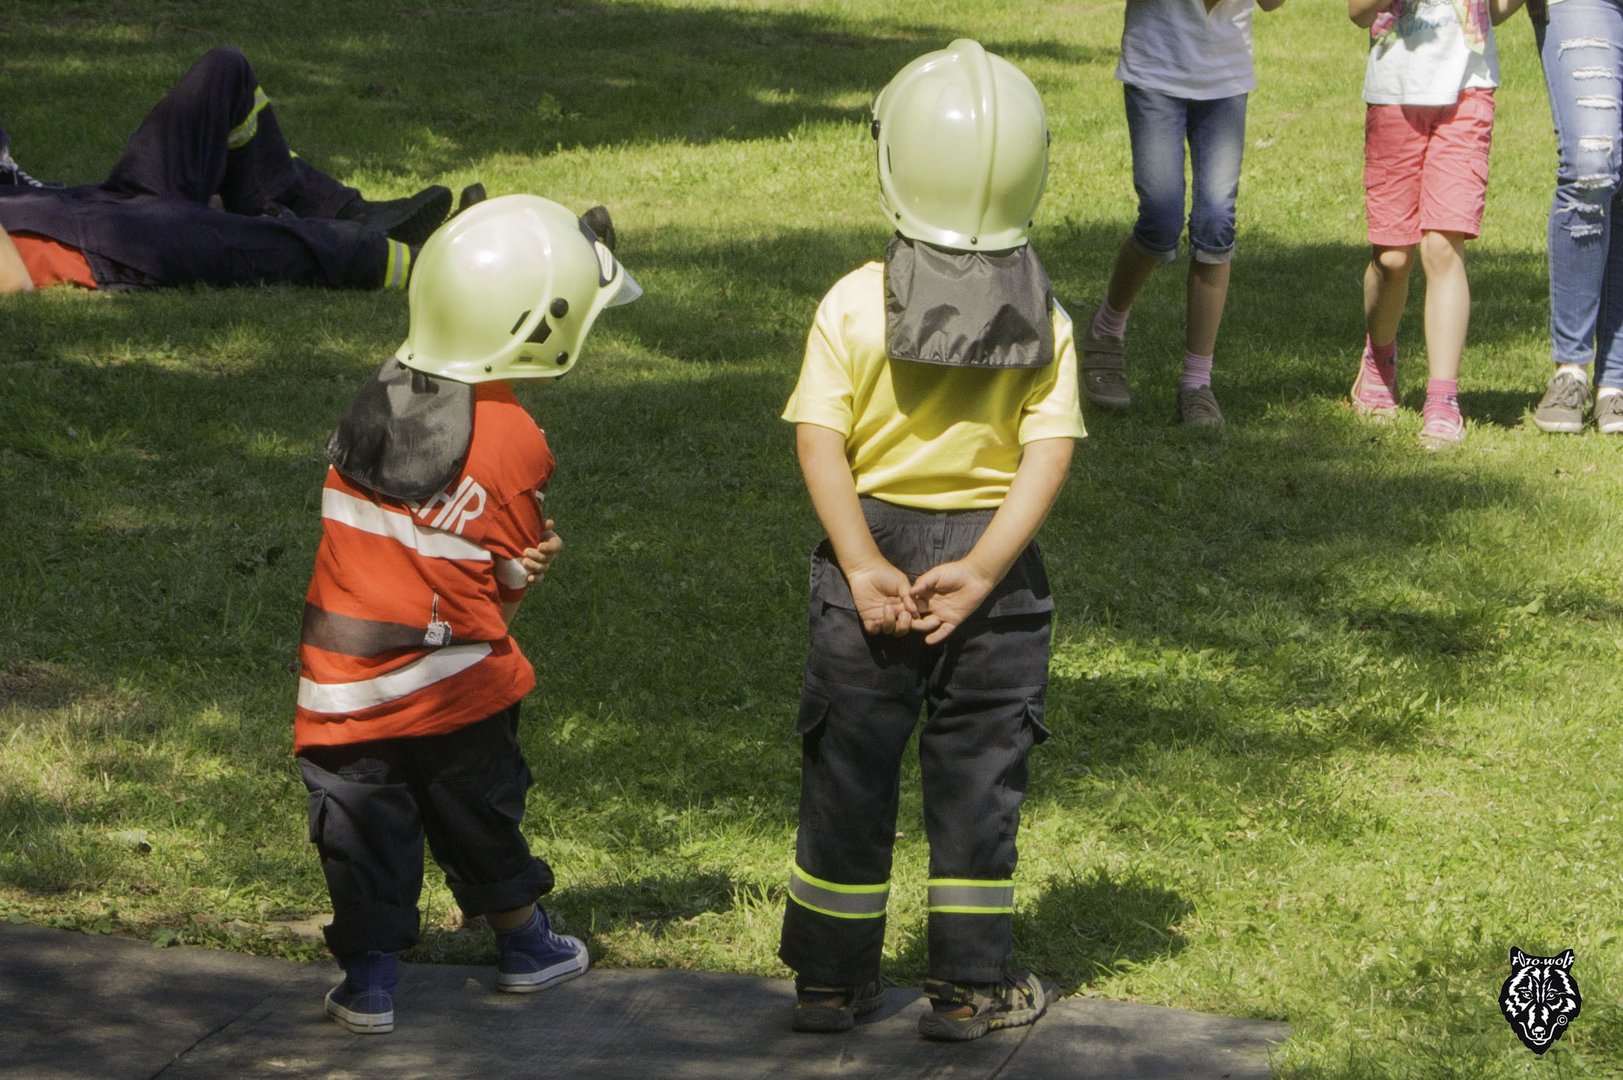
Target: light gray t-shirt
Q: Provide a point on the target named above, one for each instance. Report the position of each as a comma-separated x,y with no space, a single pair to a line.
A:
1178,47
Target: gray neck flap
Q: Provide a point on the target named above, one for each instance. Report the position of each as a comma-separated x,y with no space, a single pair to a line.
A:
405,435
967,308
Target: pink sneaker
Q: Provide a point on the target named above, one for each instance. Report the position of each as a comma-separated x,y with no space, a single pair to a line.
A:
1441,424
1374,391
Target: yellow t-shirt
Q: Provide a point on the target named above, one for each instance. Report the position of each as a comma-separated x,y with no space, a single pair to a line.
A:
923,435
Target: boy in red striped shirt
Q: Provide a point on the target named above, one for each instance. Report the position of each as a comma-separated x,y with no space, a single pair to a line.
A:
409,682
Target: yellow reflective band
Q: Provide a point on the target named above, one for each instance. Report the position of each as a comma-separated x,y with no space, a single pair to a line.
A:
240,135
399,271
957,896
838,901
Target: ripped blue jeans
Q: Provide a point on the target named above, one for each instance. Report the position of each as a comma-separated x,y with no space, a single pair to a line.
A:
1582,50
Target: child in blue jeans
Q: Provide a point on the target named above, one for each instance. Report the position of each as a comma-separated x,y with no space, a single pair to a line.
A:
1186,71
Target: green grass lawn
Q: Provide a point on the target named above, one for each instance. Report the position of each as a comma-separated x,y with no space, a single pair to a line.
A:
1335,718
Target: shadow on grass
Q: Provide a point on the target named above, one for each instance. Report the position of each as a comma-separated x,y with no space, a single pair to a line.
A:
1079,930
447,85
1082,929
652,903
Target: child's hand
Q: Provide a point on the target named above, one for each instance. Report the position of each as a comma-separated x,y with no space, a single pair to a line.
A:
883,602
536,560
947,595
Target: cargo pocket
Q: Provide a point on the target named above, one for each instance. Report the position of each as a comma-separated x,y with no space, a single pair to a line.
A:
814,705
1035,710
316,811
506,796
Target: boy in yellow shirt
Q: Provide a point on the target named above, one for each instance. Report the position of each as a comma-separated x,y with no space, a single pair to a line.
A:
935,416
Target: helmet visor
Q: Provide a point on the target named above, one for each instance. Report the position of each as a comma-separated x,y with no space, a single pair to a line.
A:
628,290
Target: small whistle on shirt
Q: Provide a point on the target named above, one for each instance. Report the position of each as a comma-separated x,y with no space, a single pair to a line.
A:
438,632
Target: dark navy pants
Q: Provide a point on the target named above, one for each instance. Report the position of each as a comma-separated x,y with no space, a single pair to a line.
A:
216,134
371,805
213,137
982,693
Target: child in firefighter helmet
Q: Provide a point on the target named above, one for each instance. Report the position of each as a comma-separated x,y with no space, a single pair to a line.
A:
410,681
935,416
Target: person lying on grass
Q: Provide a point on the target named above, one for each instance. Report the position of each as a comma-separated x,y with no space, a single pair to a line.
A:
207,192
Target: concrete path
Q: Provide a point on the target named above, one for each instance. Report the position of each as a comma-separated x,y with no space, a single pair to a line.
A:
81,1006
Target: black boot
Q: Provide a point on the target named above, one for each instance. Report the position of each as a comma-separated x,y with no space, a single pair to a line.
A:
473,193
411,220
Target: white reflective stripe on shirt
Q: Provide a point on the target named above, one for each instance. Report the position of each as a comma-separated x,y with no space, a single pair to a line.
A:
355,697
511,574
369,517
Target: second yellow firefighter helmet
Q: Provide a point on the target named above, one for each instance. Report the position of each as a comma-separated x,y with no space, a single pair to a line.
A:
508,289
963,149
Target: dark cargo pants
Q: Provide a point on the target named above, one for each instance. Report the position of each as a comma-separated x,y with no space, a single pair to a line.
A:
371,804
982,693
216,134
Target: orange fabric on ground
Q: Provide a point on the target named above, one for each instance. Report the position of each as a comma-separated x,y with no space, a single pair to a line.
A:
52,263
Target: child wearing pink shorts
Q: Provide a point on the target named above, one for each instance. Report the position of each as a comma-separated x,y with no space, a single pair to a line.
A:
1428,127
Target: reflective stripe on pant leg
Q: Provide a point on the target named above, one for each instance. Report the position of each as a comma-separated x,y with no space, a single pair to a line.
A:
245,131
957,896
837,901
398,274
860,701
985,714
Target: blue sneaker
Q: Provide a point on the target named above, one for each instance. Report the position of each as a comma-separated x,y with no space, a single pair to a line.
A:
534,958
364,1002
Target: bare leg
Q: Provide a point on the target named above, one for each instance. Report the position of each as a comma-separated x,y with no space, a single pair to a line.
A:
1208,291
1104,352
504,922
1448,301
1133,268
1386,291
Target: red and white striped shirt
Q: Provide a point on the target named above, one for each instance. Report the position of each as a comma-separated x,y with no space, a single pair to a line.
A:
403,630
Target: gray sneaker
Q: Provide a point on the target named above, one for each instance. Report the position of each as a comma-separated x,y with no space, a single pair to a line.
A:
1609,414
1198,408
963,1011
1104,371
1562,408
